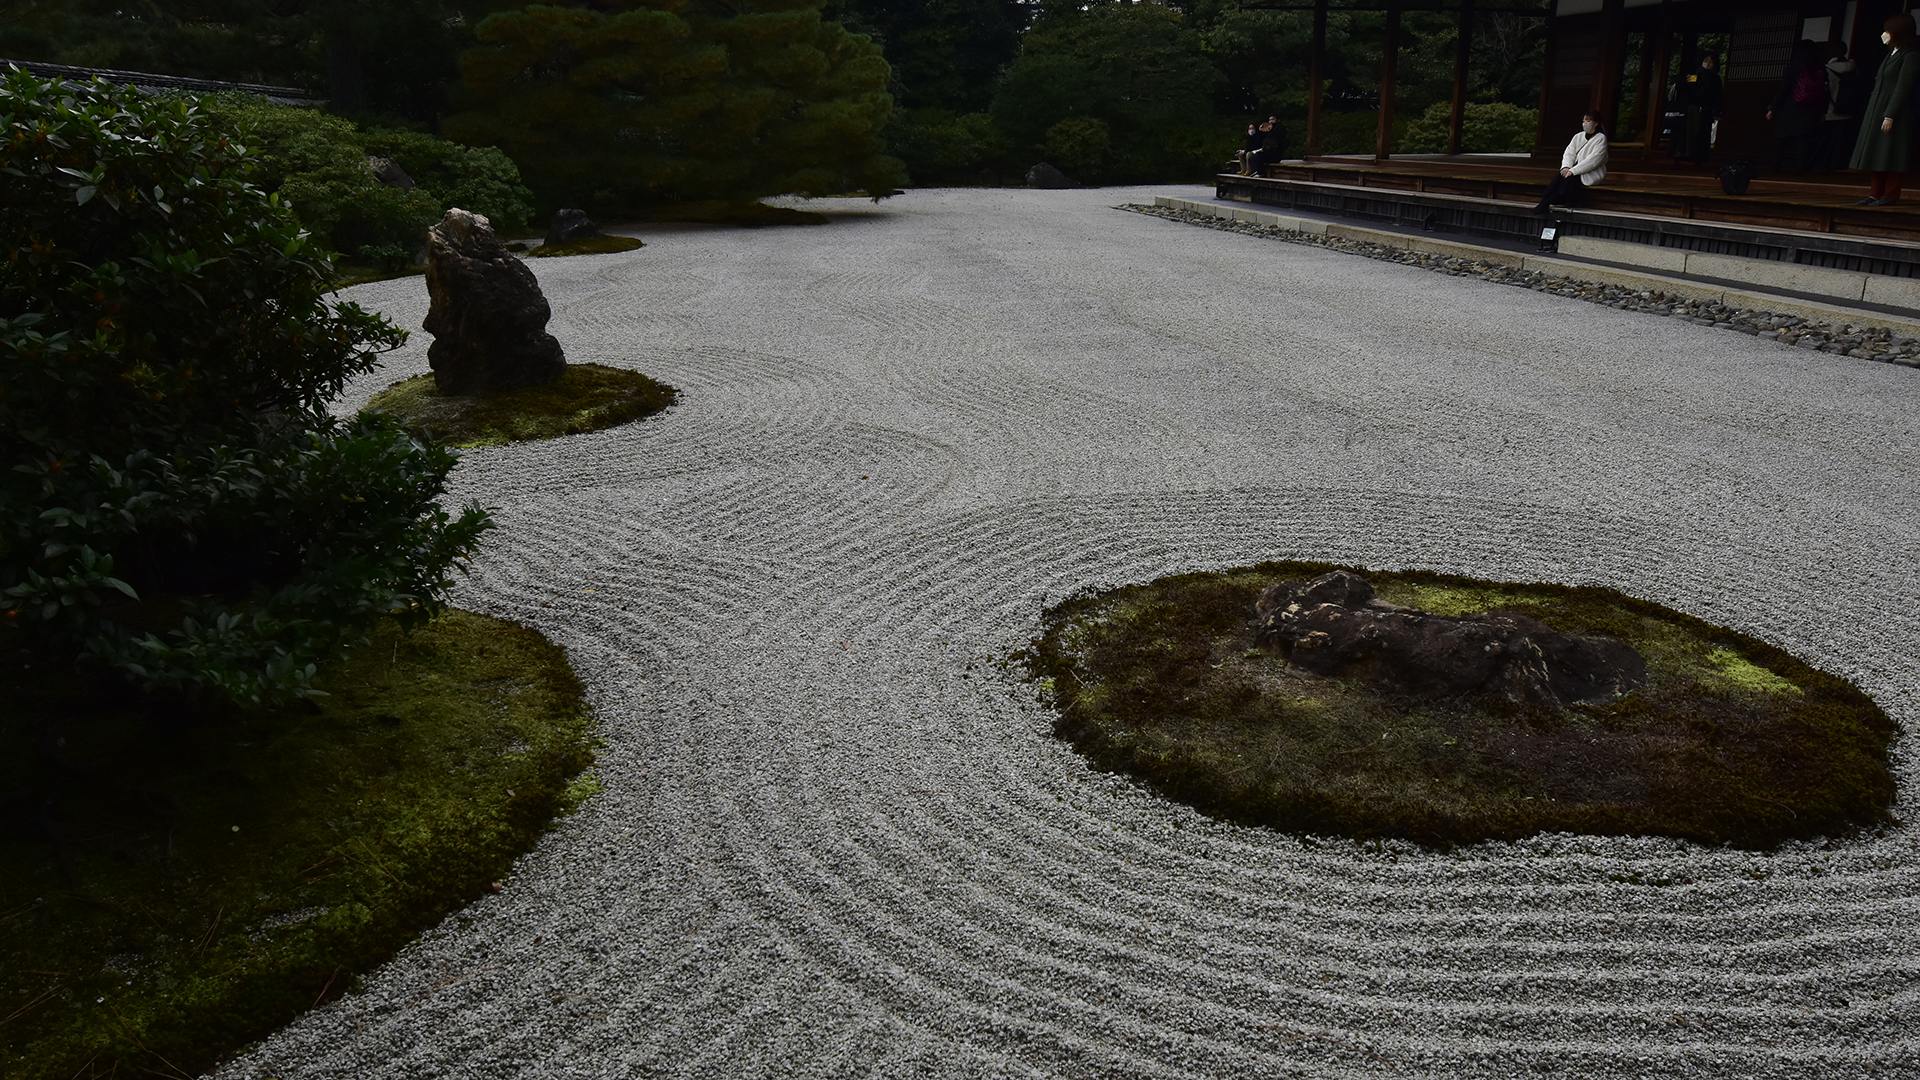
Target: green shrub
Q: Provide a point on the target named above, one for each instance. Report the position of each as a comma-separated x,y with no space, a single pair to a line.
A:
476,178
1139,70
940,146
1492,128
317,163
620,104
176,504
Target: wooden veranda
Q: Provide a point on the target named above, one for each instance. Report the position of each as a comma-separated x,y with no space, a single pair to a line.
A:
1620,58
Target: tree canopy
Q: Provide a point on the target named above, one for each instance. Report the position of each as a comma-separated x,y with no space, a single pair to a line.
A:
630,101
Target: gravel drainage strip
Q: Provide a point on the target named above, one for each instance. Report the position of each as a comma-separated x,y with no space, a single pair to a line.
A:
1857,340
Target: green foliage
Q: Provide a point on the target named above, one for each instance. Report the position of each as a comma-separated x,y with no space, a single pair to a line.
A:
177,506
1731,740
637,101
369,59
946,54
1489,128
361,822
1138,69
939,146
317,163
480,179
586,397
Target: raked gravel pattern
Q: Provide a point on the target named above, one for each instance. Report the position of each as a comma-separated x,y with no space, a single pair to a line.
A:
836,838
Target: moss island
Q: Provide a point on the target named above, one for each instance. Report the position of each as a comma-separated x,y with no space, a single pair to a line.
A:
1730,740
586,397
174,886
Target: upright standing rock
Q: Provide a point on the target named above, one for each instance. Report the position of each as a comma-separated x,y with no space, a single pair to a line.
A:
487,315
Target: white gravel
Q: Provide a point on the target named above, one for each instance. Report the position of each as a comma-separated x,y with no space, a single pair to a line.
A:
836,840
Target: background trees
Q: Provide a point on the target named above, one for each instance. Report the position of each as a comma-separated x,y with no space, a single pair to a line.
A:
176,504
631,101
628,101
1114,91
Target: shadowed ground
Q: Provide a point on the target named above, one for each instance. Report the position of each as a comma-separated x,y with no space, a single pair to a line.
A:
836,837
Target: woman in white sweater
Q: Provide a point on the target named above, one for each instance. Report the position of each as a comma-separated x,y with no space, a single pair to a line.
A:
1583,165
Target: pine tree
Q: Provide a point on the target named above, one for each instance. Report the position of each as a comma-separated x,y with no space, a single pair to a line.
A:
630,101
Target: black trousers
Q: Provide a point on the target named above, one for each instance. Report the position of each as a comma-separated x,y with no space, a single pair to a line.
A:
1563,190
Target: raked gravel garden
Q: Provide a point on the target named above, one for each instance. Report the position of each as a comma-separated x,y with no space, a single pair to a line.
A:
835,834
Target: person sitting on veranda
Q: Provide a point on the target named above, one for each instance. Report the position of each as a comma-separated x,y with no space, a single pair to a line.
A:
1265,144
1250,153
1583,165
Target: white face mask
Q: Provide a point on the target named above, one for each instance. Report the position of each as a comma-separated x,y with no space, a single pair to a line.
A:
1589,126
1886,37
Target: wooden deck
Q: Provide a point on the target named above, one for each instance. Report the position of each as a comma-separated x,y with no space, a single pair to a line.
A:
1818,204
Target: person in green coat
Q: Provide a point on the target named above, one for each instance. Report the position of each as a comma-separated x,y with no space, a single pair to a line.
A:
1886,128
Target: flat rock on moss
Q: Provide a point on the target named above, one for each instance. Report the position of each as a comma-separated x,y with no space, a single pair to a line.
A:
1334,626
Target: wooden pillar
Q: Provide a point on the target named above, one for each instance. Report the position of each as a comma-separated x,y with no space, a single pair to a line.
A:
1546,88
1613,58
1462,53
1389,66
1316,77
1657,73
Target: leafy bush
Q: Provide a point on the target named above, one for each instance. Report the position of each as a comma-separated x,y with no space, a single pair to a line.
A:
940,146
630,102
176,505
1136,68
1492,128
476,178
317,163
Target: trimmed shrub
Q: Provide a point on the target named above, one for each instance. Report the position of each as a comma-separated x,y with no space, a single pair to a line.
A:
176,504
317,164
1491,128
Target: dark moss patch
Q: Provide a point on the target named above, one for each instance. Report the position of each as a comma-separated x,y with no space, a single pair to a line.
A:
173,887
1732,740
714,212
587,397
347,275
591,245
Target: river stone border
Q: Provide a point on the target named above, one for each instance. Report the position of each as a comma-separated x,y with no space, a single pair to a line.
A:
1858,340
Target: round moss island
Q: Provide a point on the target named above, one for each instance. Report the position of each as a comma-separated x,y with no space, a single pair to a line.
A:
175,884
1247,695
586,397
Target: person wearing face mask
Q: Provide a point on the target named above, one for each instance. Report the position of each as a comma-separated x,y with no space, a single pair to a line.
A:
1582,165
1886,128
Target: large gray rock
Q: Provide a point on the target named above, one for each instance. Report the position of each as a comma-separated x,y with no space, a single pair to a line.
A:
486,313
1044,175
1334,626
571,225
389,173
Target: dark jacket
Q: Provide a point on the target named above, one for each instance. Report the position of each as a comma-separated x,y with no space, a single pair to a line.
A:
1800,101
1888,151
1700,89
1273,144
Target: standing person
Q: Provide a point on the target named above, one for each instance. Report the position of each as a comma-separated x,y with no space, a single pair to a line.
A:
1797,107
1847,92
1698,98
1582,165
1886,128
